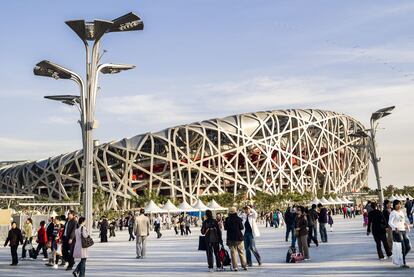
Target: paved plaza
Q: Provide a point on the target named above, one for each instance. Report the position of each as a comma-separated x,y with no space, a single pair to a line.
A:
348,252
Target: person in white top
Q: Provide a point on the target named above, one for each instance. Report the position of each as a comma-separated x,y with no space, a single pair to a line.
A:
251,231
399,226
78,251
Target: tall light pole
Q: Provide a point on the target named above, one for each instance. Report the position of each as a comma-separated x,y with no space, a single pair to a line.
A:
94,31
371,135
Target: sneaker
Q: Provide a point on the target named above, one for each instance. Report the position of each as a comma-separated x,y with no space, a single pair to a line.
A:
210,270
260,263
45,259
55,266
245,268
74,274
405,266
308,259
235,269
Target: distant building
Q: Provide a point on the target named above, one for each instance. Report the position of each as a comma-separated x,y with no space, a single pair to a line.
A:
269,151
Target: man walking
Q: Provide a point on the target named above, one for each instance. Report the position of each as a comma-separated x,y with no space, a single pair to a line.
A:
142,229
157,226
234,226
68,240
386,213
377,223
290,225
409,209
131,227
14,238
323,220
251,231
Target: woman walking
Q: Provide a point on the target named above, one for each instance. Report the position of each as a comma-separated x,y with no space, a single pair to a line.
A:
399,225
28,237
79,252
212,233
302,232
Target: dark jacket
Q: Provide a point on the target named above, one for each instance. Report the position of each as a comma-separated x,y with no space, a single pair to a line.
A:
14,237
377,220
313,217
211,230
49,231
323,216
290,218
70,227
386,215
234,227
301,224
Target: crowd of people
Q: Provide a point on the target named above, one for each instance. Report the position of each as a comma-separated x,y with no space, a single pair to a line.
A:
60,241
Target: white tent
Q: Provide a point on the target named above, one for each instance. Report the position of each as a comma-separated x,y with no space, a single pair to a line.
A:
152,208
199,206
347,201
315,201
170,208
392,198
214,206
185,207
324,201
339,200
332,201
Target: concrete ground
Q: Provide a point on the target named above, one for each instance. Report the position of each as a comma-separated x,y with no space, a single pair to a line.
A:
349,252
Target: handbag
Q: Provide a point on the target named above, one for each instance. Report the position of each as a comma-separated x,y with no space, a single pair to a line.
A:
86,242
397,256
29,246
202,244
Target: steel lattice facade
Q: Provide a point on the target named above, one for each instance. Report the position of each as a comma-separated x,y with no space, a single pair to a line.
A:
272,151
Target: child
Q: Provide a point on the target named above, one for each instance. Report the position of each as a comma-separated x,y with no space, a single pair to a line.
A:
330,220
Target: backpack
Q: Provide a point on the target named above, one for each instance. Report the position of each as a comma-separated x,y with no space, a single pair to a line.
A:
224,256
293,256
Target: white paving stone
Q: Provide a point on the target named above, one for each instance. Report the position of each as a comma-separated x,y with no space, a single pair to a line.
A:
348,252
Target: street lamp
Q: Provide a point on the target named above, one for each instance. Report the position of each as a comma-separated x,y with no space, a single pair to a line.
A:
92,31
372,144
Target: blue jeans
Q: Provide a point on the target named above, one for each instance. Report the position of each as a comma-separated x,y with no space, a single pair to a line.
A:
291,228
250,246
80,268
322,230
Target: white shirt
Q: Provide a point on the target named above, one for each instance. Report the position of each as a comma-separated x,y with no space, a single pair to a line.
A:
397,220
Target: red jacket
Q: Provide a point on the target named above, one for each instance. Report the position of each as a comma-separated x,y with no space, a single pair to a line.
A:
41,235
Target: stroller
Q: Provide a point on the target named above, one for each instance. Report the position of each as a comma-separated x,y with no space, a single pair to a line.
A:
224,257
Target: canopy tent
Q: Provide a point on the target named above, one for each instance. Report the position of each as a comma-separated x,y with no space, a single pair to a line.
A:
324,201
170,208
392,198
152,208
315,201
347,201
332,201
199,206
339,200
185,207
214,206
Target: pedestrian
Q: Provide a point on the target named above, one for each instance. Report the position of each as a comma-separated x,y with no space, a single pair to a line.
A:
142,229
80,252
176,224
157,226
301,232
312,219
276,219
386,213
112,227
212,235
131,227
41,241
378,225
398,223
28,237
68,240
14,237
235,239
219,219
409,209
290,225
103,229
323,220
187,225
330,220
251,231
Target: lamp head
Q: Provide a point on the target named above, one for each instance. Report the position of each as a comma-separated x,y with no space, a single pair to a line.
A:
48,69
115,68
127,22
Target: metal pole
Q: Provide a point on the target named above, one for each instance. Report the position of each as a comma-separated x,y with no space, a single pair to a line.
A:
375,161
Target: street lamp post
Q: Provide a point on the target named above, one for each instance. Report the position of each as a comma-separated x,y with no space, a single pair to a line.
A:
93,31
371,135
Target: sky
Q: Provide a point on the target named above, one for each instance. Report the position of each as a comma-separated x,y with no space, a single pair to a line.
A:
198,60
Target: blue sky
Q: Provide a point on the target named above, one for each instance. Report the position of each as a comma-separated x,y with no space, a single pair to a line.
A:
205,59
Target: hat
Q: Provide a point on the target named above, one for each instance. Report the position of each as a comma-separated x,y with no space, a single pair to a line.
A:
232,210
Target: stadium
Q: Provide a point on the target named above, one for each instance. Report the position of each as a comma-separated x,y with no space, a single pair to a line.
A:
268,151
